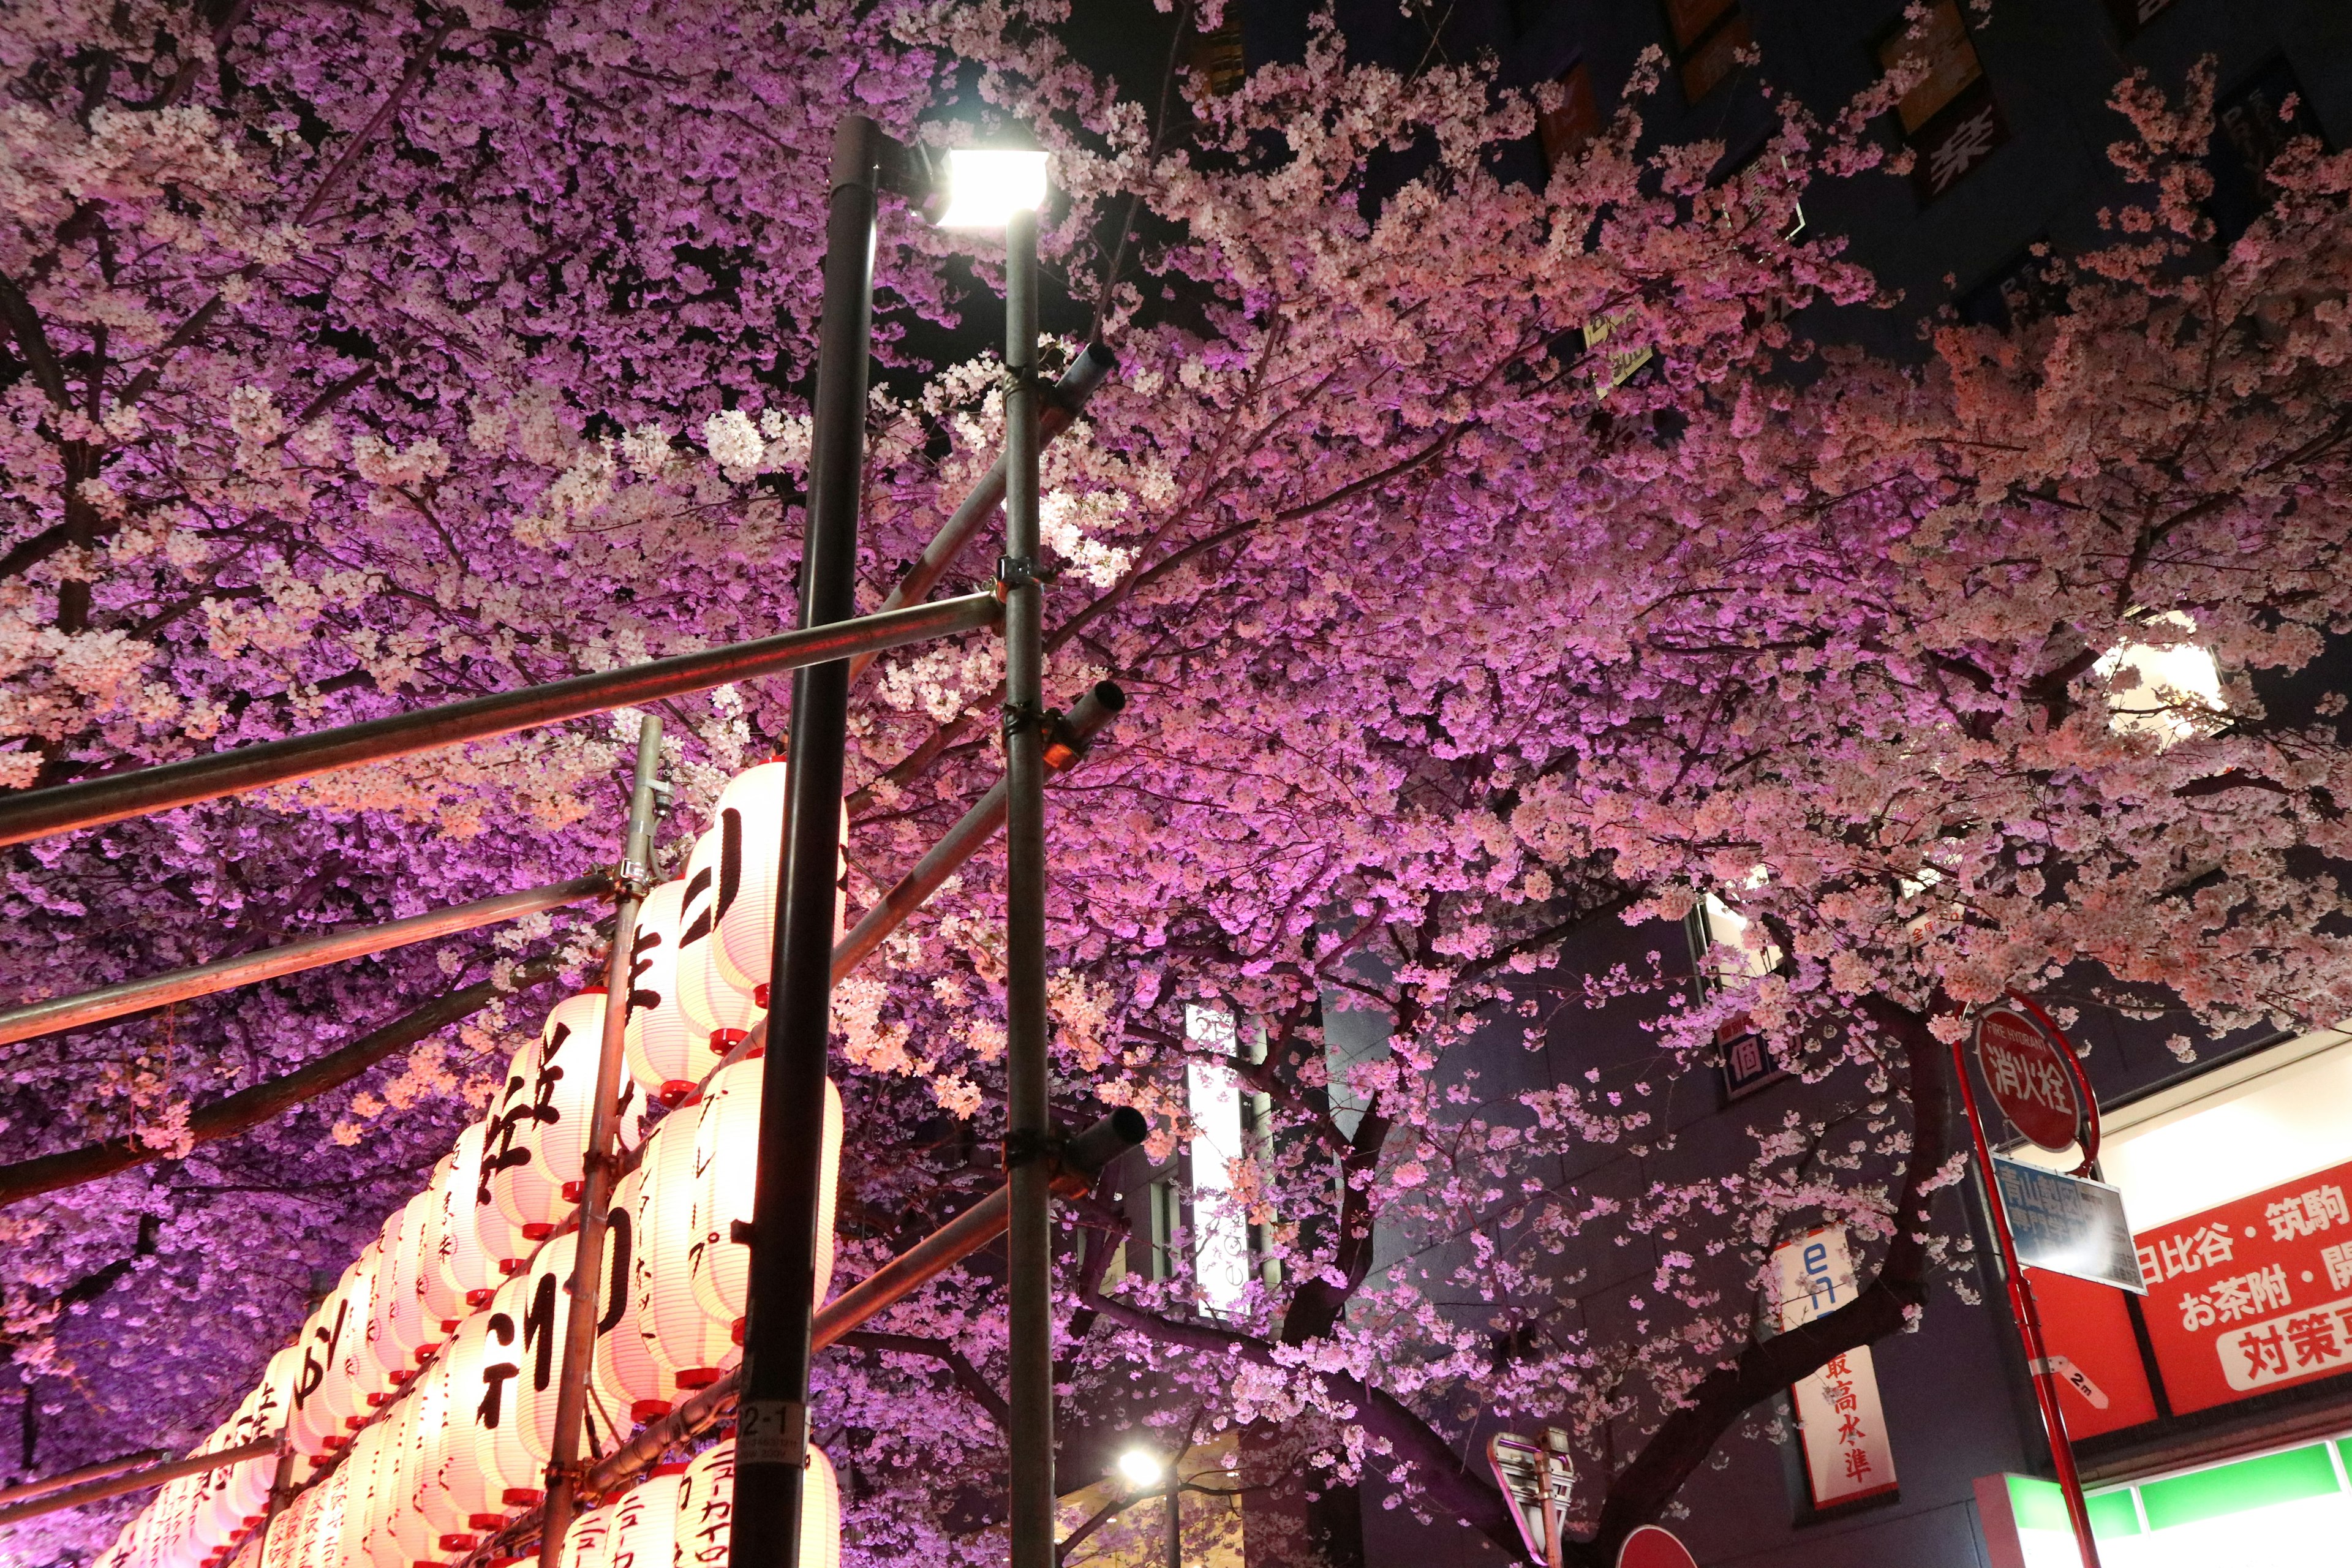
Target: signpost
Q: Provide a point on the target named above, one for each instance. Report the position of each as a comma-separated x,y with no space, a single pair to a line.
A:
1653,1547
2037,1081
1534,1474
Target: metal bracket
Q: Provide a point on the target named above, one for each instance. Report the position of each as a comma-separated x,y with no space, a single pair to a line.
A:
1019,716
740,1232
1027,1148
1021,571
633,878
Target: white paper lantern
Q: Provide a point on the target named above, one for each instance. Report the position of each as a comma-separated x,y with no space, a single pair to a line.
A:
587,1544
727,1161
662,1045
501,1238
627,1384
706,1505
327,1393
508,1470
469,1270
645,1521
548,1298
439,1303
685,1342
398,1326
476,1499
570,1046
719,1010
752,808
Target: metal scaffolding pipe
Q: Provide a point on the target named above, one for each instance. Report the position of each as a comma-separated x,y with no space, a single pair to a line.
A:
1062,406
140,792
74,1478
225,974
137,1481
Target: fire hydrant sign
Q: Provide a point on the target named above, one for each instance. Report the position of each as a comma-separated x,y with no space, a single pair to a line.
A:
1847,1457
2253,1295
2068,1225
2029,1079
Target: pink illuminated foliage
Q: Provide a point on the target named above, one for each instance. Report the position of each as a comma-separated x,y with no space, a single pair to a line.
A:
363,360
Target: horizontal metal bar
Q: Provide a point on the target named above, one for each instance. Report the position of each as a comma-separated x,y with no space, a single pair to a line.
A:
74,1478
112,797
160,989
137,1481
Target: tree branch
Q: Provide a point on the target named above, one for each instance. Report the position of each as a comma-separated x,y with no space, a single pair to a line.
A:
967,1376
248,1108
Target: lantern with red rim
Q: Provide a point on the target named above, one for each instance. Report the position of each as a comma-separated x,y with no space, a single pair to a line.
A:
1651,1547
2030,1068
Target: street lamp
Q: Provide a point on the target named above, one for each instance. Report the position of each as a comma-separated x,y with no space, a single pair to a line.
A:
1142,1467
988,187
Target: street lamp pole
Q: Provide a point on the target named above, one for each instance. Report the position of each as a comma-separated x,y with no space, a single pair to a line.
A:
1030,1346
771,1433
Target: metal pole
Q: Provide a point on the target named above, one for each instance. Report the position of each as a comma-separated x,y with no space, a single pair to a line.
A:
1175,1518
137,1481
1062,405
144,791
1030,1252
74,1478
281,1492
771,1430
599,1167
61,1013
2029,1327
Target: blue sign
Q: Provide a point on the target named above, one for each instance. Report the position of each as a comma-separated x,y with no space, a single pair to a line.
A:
2068,1225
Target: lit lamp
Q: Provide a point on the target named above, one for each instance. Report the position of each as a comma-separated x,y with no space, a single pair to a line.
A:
986,186
1141,1468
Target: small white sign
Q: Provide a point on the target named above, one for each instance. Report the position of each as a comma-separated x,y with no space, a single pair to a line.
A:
1847,1455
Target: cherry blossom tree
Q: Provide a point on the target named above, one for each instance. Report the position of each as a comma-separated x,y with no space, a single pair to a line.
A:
1485,561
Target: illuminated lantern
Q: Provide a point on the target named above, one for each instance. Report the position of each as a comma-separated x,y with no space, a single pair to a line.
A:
588,1542
718,1009
431,1494
509,1469
439,1302
627,1383
469,1269
751,809
324,1397
726,1161
687,1343
399,1328
548,1090
661,1044
353,1374
546,1322
495,1161
706,1503
645,1521
476,1499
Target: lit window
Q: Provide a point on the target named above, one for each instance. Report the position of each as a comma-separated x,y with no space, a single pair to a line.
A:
1565,132
1950,119
1212,1099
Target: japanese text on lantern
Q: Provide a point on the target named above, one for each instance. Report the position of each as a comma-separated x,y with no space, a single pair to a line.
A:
1847,1455
2253,1294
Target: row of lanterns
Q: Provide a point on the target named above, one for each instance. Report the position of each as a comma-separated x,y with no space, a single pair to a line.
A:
454,1314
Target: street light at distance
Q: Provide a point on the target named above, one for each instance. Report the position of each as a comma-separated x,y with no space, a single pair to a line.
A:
1141,1468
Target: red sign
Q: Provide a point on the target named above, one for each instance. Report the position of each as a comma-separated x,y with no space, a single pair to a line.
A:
2029,1078
2103,1386
2252,1295
1651,1547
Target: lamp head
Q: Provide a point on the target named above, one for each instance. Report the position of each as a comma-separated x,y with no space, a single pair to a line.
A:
986,186
1140,1466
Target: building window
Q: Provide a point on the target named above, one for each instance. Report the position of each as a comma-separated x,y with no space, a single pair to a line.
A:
1216,57
1565,132
1707,37
1950,119
2251,124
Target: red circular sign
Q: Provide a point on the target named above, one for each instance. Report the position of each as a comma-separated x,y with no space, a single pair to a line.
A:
1651,1547
2029,1078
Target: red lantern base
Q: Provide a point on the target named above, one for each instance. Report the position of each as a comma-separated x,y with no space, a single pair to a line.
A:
457,1543
649,1409
698,1377
474,1299
759,994
538,1230
674,1091
510,1267
571,1192
519,1497
486,1521
725,1040
737,1332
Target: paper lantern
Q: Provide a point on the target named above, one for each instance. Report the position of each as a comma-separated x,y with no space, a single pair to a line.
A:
571,1046
661,1044
500,1240
468,1272
325,1396
398,1329
645,1521
546,1322
727,1163
548,1086
685,1342
475,1493
508,1470
440,1301
706,1504
718,1009
627,1383
435,1424
587,1544
750,822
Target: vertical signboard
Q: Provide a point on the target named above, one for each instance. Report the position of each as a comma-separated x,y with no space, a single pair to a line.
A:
1847,1457
2254,1294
